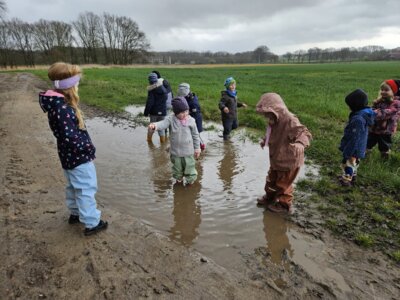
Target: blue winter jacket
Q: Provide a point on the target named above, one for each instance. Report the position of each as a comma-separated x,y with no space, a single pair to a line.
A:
354,140
195,110
156,104
74,145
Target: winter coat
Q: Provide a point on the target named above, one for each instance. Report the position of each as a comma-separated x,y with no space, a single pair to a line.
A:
231,103
170,95
195,110
156,104
74,145
354,140
288,137
387,116
183,139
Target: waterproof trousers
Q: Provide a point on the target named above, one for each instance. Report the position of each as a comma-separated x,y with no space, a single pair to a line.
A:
279,186
184,167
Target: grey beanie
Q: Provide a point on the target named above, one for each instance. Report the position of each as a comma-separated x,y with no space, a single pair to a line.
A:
183,89
179,104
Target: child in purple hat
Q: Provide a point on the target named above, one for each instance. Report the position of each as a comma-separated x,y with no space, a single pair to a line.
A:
184,141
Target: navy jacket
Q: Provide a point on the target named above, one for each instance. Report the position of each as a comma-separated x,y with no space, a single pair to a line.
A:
74,145
156,104
195,110
354,140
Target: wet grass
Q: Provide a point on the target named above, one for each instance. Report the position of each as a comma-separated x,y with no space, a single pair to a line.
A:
369,213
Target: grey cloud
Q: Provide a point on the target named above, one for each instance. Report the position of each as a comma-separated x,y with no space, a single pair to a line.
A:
232,26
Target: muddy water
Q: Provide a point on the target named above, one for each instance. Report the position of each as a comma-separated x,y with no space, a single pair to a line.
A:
217,215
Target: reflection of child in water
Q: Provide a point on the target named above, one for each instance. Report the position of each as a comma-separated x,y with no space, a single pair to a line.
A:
186,212
184,143
286,138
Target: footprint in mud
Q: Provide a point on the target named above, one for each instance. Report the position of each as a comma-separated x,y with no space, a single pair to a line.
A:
3,132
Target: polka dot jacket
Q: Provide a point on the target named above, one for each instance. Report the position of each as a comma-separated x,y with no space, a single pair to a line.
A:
74,145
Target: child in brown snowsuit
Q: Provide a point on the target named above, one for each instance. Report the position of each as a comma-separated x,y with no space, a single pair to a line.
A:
286,138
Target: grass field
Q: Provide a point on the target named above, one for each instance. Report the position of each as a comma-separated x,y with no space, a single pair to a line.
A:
369,214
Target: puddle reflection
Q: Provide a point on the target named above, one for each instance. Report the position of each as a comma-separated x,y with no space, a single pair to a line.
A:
187,211
160,174
276,235
227,167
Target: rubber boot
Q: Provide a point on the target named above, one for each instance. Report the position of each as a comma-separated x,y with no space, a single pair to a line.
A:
162,139
149,137
385,155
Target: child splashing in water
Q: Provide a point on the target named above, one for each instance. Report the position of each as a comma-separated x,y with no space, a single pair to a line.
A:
75,148
184,141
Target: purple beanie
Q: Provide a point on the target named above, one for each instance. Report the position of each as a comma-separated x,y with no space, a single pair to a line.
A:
179,104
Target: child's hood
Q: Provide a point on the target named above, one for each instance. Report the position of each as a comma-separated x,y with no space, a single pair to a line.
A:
158,87
272,103
50,99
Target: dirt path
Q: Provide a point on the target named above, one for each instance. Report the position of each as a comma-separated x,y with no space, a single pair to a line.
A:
44,257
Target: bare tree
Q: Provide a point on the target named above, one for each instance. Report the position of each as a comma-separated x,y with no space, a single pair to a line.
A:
110,35
6,46
3,9
122,40
132,41
260,54
43,36
22,36
53,38
88,28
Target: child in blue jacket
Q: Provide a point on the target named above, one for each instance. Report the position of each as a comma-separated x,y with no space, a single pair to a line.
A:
354,141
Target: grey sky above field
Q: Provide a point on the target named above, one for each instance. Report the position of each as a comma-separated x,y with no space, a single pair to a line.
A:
237,25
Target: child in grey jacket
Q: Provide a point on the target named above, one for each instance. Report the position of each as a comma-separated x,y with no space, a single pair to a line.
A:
184,141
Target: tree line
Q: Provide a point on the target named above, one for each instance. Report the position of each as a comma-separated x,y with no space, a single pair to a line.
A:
105,39
318,55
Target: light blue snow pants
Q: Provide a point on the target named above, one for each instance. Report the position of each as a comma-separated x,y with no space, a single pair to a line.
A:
80,193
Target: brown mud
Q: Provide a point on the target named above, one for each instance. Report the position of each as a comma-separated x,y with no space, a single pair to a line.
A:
43,257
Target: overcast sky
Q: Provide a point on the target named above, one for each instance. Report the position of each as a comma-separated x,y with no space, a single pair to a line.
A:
237,25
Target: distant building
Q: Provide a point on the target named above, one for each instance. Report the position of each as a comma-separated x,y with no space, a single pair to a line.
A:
160,60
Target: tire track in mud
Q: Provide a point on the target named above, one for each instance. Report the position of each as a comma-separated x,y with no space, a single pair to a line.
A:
23,256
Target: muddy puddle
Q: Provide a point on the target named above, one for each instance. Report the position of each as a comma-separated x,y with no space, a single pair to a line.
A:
218,215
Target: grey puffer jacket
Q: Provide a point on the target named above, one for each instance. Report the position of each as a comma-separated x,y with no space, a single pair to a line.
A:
184,139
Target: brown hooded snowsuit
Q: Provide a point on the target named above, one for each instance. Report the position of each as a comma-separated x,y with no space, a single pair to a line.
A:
287,140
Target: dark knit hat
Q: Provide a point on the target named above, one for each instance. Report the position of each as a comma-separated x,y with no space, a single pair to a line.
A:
179,104
152,78
357,100
156,72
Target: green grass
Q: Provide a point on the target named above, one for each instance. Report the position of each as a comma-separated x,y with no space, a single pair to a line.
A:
370,212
